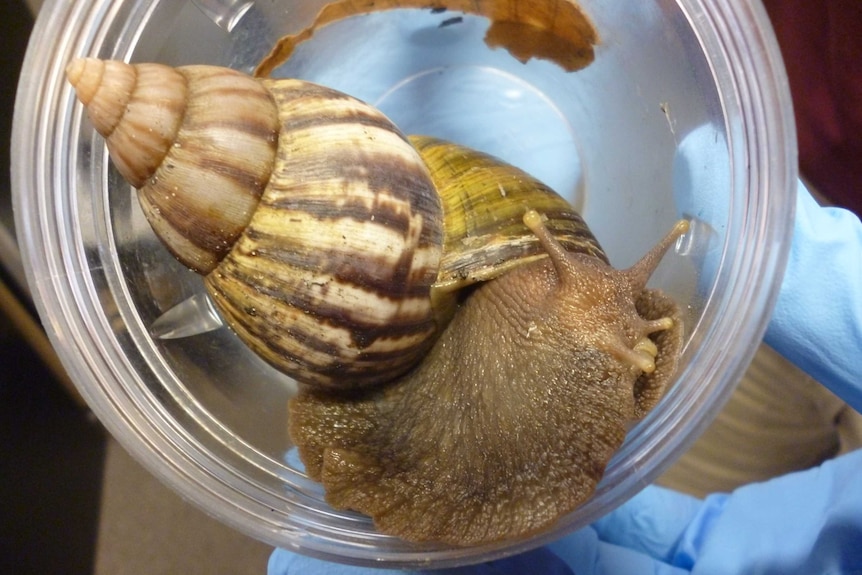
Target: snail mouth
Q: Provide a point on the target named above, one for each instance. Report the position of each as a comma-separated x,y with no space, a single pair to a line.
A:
650,387
641,356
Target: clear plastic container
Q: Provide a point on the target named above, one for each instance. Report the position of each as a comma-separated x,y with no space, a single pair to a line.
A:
684,112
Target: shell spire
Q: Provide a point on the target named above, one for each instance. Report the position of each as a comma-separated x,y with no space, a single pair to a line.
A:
137,109
198,142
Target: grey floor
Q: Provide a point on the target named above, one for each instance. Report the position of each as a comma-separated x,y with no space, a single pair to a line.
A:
145,528
71,500
50,468
74,502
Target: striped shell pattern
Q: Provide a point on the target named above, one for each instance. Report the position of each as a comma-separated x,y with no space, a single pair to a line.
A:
332,244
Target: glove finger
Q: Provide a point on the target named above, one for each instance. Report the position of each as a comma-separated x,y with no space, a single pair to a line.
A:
585,554
652,523
701,180
817,321
539,562
800,523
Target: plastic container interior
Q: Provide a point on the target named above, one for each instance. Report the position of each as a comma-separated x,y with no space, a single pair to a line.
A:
684,113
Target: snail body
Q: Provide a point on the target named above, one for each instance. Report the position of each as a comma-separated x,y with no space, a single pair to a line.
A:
497,434
339,250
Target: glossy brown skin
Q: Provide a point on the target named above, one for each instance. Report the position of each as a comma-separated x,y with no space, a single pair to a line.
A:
510,421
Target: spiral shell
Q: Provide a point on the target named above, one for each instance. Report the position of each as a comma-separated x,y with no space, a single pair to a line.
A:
331,244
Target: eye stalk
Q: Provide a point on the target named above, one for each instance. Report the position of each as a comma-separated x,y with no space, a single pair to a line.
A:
338,250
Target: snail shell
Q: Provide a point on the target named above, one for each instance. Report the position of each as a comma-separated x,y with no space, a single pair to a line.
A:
338,249
324,240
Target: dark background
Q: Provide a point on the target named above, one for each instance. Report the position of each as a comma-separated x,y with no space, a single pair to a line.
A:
51,449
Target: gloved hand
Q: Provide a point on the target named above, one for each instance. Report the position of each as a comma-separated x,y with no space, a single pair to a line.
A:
817,320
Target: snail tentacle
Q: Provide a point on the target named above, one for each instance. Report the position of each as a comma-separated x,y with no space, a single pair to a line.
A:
637,352
638,359
641,271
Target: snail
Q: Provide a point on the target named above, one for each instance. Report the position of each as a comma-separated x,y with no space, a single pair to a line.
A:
468,360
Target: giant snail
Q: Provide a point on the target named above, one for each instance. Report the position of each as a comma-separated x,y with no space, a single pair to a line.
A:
468,360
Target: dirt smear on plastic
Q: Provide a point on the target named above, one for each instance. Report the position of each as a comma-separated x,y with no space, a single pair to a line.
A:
553,30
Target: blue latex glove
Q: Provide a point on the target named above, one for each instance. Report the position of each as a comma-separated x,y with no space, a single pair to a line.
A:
817,321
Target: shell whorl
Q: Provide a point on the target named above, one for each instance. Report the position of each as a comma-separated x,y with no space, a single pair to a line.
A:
484,201
198,142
